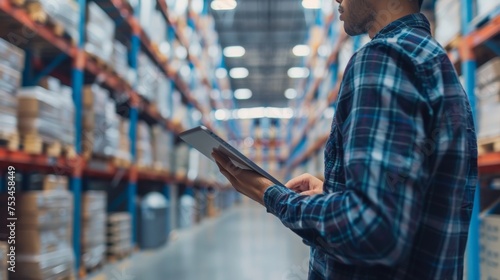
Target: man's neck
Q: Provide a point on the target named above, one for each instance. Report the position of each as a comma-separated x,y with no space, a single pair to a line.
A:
384,17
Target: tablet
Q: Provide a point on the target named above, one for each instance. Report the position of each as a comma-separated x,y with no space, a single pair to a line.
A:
205,141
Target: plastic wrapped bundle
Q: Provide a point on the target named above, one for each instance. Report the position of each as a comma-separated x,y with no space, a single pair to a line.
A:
148,78
120,59
94,228
63,12
123,152
163,97
10,79
106,130
8,109
144,146
162,148
100,31
180,159
46,114
11,55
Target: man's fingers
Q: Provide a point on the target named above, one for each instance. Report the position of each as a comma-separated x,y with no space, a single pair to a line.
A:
298,181
309,193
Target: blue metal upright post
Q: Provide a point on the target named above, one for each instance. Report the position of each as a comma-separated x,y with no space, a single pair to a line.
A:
77,84
134,117
469,72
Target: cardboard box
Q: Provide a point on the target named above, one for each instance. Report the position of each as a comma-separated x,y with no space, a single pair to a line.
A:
35,242
94,202
34,201
11,55
54,265
488,73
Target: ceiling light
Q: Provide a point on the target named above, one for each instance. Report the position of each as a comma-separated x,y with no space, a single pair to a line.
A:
222,114
301,50
242,94
298,72
311,4
238,73
234,51
221,73
291,93
223,5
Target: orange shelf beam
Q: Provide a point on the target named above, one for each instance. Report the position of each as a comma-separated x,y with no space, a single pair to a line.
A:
43,31
21,160
489,163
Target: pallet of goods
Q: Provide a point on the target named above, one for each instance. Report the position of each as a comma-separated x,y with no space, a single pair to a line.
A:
119,238
448,23
3,260
490,243
105,134
11,65
44,235
61,16
144,147
100,34
488,105
46,120
162,142
93,231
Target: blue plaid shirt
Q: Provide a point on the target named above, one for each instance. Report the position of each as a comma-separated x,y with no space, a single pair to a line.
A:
400,166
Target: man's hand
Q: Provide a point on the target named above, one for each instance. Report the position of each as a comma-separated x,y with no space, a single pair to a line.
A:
306,184
247,182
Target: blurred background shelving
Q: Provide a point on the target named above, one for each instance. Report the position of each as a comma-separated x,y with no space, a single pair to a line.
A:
93,95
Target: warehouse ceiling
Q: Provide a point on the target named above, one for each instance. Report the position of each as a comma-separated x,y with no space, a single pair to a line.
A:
268,30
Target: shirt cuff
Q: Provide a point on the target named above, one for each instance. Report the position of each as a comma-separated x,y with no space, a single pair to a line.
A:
274,197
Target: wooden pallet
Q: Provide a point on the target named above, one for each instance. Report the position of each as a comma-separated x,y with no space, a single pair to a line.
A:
39,15
489,145
118,256
100,62
34,144
85,271
9,141
121,163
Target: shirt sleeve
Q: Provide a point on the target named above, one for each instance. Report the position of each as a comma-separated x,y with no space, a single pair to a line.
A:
372,222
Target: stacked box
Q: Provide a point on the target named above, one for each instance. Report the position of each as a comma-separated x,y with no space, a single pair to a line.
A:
93,228
162,147
48,182
490,243
488,97
164,95
47,114
100,32
144,145
11,65
180,160
448,21
119,234
123,152
44,235
148,77
484,7
62,12
3,260
100,123
119,59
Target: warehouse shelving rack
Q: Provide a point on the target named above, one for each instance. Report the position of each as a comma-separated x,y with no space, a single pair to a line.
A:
81,66
477,34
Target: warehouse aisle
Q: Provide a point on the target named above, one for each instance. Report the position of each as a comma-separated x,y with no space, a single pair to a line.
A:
243,243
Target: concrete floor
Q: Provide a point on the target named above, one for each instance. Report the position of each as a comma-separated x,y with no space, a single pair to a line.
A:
243,243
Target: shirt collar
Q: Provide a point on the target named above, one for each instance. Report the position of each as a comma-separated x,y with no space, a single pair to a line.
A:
417,20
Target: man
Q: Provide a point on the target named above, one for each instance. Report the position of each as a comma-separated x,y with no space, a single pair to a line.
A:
400,162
